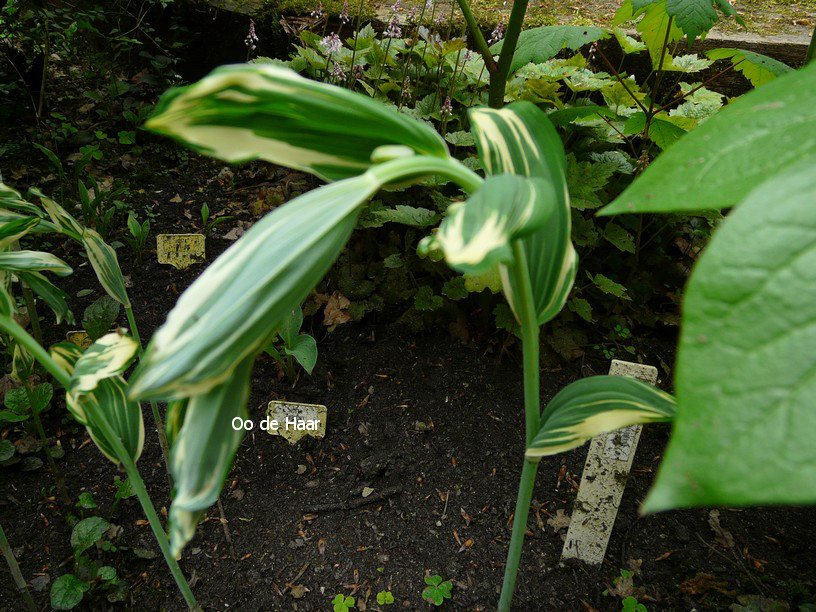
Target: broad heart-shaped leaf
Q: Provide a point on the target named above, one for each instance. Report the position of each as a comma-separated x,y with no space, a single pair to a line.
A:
203,451
67,591
86,532
261,111
478,234
538,45
718,163
519,139
304,350
745,368
596,405
757,68
291,326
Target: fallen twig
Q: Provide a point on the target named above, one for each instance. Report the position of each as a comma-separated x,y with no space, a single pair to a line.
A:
354,503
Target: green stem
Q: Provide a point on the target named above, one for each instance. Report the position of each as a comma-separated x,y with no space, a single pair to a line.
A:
98,418
478,37
157,418
33,317
498,79
525,495
35,413
135,478
19,581
525,309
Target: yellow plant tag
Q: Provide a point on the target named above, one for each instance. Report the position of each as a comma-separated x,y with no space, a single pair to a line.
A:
180,250
293,420
80,338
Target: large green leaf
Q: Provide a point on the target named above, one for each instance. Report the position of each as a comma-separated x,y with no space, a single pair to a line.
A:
757,68
262,111
745,370
477,234
519,139
232,310
106,265
538,45
718,163
595,405
203,450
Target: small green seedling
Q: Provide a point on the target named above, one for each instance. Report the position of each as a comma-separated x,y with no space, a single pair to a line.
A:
297,346
208,225
342,603
631,604
139,233
437,591
385,598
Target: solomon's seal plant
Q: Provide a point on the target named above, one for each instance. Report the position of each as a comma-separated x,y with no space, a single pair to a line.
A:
516,220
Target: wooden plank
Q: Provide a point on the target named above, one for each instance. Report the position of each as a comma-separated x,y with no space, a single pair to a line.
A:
607,467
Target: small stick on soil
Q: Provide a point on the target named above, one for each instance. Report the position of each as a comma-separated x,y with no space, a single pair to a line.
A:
226,529
292,582
354,503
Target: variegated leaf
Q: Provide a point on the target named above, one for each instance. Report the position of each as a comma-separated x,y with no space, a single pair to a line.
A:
43,226
11,198
22,364
477,234
106,265
7,304
203,451
262,111
519,139
61,217
52,295
66,354
22,261
233,309
109,400
12,231
107,357
596,405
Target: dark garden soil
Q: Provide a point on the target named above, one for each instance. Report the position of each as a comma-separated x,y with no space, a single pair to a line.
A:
433,425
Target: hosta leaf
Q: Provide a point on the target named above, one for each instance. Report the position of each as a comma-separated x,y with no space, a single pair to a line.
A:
66,354
538,45
261,111
232,310
11,199
596,405
203,451
106,265
744,378
22,261
52,295
477,234
291,326
61,218
304,350
718,163
519,139
757,68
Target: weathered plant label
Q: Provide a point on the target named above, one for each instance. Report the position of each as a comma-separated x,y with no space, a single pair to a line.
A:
80,338
607,467
180,250
293,421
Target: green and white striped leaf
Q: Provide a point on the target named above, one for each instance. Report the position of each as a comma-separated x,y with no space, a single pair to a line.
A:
109,399
262,111
66,354
43,226
22,364
203,450
22,261
477,234
595,405
519,139
11,199
7,304
236,306
12,231
52,295
61,218
107,357
757,68
106,265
